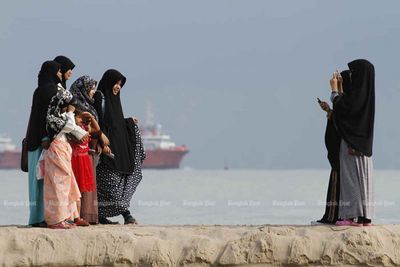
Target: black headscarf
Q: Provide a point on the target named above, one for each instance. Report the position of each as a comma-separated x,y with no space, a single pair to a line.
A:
332,136
66,64
47,88
355,111
80,90
114,125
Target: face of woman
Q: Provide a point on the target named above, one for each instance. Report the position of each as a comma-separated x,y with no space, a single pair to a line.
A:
59,74
68,74
92,91
117,87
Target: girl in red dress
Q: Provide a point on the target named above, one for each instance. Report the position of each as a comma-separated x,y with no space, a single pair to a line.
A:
81,163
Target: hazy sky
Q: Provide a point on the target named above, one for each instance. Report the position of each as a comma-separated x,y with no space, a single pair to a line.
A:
236,81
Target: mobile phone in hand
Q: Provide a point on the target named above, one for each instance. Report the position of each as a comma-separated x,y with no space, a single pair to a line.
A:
111,155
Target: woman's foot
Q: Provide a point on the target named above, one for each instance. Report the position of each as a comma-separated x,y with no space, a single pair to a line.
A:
367,222
60,225
130,220
81,222
40,225
106,221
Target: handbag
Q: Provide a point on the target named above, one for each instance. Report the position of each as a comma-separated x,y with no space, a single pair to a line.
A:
24,156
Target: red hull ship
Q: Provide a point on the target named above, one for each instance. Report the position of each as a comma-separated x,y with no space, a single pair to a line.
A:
10,157
161,152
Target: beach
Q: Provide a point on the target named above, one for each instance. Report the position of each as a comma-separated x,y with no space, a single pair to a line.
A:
201,245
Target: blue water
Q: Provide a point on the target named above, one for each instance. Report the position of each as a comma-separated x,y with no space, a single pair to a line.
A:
221,197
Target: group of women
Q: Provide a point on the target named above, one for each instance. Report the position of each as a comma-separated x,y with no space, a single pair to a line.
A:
84,156
349,141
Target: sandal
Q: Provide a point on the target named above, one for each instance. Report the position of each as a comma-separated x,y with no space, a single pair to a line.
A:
81,222
130,220
106,221
40,225
60,225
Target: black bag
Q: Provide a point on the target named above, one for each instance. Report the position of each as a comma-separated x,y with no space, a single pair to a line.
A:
24,156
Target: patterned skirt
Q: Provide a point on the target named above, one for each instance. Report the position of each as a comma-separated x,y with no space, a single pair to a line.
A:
115,189
61,192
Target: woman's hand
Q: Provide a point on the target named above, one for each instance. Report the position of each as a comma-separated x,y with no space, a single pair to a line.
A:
340,82
135,120
104,140
46,144
334,82
106,150
85,138
324,106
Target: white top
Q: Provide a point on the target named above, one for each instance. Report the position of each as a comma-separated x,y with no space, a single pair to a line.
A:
70,127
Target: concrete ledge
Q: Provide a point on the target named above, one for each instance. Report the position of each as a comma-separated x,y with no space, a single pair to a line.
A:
201,246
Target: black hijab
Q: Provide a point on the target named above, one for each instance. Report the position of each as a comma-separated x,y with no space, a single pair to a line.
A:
47,88
332,136
66,64
355,111
114,125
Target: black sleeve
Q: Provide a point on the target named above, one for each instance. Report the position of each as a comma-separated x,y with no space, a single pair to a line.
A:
98,99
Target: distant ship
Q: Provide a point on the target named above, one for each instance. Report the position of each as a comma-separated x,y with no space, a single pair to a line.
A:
161,152
10,156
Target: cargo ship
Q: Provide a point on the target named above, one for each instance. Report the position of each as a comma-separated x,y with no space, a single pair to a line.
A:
161,152
10,156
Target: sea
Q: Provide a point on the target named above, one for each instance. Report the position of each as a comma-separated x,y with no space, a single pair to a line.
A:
221,197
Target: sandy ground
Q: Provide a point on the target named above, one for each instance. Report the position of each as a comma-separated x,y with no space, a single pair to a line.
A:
201,245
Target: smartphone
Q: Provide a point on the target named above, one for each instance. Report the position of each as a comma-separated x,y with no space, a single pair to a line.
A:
319,100
111,155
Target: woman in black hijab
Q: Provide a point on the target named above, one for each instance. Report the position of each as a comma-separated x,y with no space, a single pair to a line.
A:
66,69
332,144
38,138
354,114
118,177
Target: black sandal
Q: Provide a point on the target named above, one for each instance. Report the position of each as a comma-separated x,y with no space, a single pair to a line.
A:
106,221
130,220
40,225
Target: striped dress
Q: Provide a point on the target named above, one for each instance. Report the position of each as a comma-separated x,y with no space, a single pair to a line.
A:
356,185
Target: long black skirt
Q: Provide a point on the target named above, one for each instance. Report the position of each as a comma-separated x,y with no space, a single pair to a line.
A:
332,199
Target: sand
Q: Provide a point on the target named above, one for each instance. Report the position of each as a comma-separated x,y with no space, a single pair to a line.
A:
201,246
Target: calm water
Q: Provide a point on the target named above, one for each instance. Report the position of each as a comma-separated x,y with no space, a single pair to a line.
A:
221,197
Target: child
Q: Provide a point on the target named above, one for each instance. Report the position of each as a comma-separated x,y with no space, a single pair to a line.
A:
81,162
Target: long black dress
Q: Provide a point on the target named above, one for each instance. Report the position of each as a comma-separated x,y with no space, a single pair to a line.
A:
117,178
